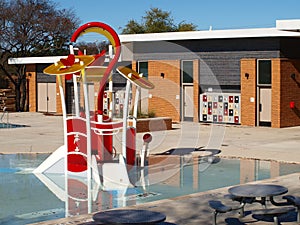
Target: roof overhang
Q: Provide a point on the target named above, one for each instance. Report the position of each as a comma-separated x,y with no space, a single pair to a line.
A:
288,25
38,60
284,28
208,34
35,60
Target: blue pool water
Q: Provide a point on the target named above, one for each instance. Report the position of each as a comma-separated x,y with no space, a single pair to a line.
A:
10,125
26,198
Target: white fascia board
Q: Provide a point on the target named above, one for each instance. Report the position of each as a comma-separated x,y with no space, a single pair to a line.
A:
210,34
35,60
288,24
38,60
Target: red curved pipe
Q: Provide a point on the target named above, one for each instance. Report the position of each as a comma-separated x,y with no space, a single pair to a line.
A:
111,65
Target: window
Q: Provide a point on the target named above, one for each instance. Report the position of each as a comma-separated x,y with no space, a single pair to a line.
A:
143,68
264,72
187,72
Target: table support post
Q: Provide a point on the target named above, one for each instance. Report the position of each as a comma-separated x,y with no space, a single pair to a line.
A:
276,220
263,202
242,210
214,220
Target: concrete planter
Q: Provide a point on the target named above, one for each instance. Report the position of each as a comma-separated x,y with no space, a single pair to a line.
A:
154,124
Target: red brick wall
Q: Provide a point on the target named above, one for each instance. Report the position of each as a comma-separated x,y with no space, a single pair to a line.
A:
285,90
248,90
165,99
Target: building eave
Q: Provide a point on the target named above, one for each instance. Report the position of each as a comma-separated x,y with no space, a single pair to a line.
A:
208,34
35,60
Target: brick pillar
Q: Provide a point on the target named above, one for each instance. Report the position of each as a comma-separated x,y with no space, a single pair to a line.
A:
96,90
133,65
248,92
58,98
285,89
196,89
276,92
31,74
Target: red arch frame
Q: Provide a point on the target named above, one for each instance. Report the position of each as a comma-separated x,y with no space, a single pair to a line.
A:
113,37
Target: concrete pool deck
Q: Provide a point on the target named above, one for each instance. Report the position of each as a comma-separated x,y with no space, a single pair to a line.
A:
44,135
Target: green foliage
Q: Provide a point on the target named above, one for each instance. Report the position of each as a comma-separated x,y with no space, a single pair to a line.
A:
133,27
156,21
151,114
186,27
141,115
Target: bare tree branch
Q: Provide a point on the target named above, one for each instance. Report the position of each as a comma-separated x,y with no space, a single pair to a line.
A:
31,28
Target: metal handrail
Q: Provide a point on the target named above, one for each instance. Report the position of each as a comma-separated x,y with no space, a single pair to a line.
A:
3,114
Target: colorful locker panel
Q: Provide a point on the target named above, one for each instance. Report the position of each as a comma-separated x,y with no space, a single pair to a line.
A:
220,107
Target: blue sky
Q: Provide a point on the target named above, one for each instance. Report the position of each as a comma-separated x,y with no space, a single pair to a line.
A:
220,14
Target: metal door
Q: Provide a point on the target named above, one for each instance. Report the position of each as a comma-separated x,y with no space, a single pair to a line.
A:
265,106
46,97
51,97
188,103
42,97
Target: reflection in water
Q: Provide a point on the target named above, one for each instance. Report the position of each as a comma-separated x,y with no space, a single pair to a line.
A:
26,198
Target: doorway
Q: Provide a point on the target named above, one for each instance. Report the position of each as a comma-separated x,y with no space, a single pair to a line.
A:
265,95
264,92
188,103
187,95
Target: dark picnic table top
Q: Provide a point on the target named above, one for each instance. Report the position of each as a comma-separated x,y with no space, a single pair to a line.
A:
257,190
129,216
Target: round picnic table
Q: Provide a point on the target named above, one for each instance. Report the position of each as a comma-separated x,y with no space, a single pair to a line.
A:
128,216
262,191
257,190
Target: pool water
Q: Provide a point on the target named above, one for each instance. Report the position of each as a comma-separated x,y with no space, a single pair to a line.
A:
27,198
10,125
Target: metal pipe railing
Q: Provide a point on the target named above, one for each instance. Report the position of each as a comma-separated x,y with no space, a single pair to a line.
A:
5,113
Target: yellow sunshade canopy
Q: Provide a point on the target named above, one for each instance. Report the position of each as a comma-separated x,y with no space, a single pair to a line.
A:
59,68
135,77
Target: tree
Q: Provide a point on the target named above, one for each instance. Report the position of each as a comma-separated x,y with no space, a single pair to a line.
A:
93,48
31,28
186,27
156,21
133,27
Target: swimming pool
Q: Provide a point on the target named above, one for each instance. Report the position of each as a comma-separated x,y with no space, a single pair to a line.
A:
26,198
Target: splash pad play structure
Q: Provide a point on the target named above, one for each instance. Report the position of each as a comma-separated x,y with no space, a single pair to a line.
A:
88,155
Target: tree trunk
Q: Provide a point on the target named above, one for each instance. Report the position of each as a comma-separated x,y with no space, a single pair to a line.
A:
18,95
23,94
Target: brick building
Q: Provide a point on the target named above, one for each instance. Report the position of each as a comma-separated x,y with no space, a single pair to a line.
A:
246,76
